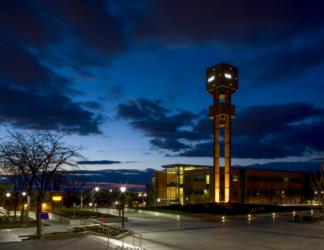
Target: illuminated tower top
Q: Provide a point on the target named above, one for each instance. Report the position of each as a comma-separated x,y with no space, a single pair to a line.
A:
221,77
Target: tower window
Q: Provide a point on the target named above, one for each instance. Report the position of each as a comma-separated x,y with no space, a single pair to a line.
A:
228,76
211,78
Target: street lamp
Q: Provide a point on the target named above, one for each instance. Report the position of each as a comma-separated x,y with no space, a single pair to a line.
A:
9,203
94,198
23,201
123,190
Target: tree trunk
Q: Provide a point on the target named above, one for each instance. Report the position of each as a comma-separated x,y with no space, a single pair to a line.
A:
81,200
39,220
26,214
16,205
22,213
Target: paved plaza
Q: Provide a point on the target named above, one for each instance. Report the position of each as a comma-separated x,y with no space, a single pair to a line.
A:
266,233
160,232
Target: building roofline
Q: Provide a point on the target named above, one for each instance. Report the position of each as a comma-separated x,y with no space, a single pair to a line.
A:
184,165
240,167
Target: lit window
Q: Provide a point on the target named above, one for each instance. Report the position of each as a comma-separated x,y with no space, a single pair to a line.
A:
207,179
228,76
235,178
211,78
181,179
56,198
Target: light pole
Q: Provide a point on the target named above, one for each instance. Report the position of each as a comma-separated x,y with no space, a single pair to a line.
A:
123,190
8,198
94,198
23,208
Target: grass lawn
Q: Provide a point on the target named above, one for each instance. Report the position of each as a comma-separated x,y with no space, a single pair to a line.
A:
79,213
225,209
12,222
164,210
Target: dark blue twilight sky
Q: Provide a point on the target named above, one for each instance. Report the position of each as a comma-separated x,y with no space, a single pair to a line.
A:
126,78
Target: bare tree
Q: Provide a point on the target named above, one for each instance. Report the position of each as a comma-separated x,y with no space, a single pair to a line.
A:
40,157
317,183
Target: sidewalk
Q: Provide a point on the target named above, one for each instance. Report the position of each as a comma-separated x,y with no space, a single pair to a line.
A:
82,243
14,234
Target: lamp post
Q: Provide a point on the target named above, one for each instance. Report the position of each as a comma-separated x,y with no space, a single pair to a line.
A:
23,208
123,190
8,198
94,199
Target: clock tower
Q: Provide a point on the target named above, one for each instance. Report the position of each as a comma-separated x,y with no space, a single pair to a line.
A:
221,83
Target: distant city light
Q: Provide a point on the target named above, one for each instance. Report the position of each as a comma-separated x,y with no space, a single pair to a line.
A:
24,193
211,78
90,204
110,190
8,195
97,189
228,76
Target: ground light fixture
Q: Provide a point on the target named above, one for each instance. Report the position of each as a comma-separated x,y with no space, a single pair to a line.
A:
23,193
249,218
8,195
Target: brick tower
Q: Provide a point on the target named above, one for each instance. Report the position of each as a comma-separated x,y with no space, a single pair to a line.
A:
222,82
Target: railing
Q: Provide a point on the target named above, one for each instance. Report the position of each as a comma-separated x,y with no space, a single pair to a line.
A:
116,235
